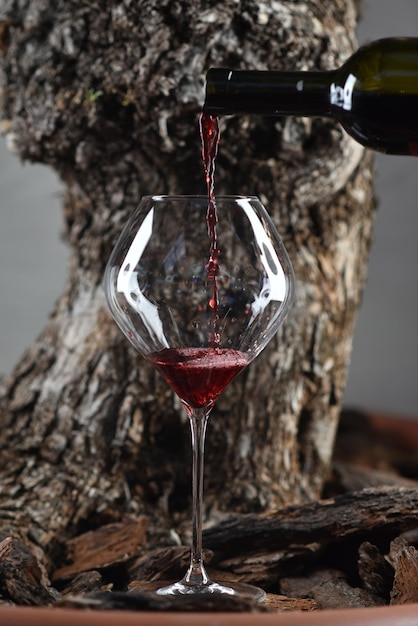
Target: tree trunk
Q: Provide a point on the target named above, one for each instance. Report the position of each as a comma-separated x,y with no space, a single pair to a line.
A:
108,94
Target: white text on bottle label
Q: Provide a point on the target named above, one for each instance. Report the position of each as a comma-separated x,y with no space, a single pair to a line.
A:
343,96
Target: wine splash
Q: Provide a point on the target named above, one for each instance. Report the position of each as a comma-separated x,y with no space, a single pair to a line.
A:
210,135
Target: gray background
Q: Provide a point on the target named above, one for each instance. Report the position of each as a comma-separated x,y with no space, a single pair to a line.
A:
384,363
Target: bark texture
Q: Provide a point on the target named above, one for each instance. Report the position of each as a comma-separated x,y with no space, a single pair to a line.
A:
108,94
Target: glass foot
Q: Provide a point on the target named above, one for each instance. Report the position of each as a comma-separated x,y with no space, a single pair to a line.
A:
232,589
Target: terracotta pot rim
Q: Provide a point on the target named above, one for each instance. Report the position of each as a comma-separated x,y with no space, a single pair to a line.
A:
404,615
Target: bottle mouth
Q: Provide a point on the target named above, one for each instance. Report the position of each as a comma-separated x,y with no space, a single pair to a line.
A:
217,90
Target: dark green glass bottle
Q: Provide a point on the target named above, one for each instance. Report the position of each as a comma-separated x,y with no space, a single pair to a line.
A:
374,95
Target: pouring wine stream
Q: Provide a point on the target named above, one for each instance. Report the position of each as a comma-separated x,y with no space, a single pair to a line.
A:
210,136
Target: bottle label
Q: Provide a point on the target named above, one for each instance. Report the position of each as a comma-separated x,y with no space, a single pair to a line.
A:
343,96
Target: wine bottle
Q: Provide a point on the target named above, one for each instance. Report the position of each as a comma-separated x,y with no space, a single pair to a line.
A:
373,95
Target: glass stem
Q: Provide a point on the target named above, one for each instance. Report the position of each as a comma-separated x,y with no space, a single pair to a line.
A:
196,574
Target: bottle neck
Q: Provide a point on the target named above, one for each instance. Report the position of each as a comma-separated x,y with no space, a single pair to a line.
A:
305,94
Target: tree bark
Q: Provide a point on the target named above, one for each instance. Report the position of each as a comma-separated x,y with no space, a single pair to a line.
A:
108,94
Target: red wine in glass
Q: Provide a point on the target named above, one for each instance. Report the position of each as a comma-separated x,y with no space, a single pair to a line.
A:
198,375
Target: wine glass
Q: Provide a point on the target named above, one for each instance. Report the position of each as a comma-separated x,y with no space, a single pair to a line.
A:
199,288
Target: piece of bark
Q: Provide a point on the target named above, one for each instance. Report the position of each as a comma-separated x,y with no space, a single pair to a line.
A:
6,548
329,589
340,595
301,586
386,512
107,546
83,583
23,576
264,567
281,603
376,573
405,584
396,548
168,563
